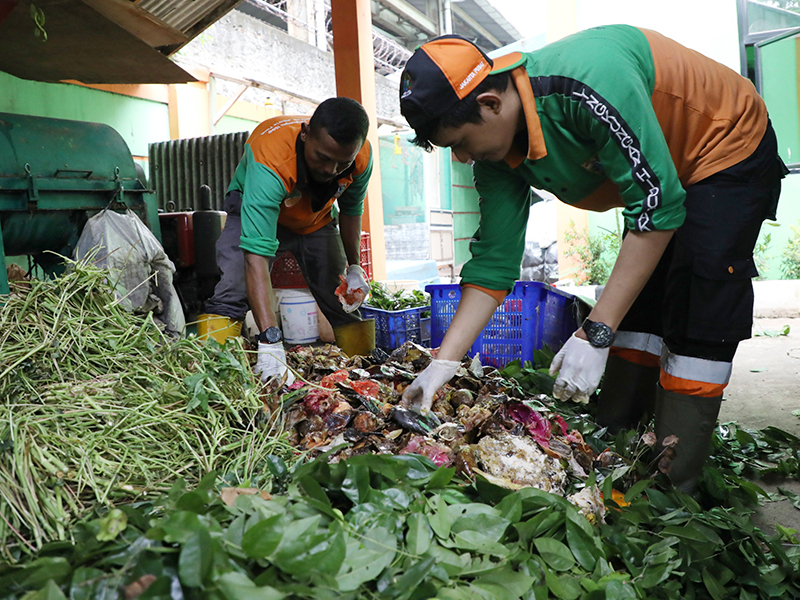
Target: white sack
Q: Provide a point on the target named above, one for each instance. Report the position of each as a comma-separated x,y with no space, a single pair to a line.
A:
139,267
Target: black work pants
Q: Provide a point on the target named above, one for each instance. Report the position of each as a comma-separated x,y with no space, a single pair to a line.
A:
319,254
700,296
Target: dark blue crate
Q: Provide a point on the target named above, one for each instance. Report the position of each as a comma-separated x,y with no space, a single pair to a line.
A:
393,328
532,315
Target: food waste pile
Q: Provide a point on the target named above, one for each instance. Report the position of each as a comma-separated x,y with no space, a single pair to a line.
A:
163,468
479,423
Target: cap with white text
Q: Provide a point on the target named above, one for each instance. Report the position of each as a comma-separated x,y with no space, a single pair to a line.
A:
443,72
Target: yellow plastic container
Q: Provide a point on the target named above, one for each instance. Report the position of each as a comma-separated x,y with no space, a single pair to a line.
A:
356,338
218,327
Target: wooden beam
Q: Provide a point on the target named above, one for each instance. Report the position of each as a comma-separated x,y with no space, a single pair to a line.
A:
152,31
355,78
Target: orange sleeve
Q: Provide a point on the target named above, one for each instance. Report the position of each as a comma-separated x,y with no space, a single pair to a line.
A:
498,295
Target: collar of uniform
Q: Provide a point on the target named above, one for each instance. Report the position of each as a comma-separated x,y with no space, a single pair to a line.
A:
536,145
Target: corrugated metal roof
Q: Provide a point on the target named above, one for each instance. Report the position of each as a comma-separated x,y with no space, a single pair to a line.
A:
183,15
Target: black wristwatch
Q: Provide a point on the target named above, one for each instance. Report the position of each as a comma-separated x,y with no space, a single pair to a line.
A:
271,335
599,334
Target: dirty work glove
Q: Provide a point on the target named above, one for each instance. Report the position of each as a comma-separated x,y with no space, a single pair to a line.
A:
419,395
357,280
272,361
354,288
580,366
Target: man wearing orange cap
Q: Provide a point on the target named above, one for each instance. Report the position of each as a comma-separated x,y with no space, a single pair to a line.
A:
612,117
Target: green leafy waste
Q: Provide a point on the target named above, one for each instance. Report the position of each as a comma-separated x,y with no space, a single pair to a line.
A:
100,407
774,332
401,299
397,527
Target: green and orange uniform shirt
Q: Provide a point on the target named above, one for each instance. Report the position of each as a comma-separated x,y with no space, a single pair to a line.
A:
276,190
616,117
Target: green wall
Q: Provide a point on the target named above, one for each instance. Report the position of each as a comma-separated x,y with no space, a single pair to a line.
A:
229,124
138,121
779,90
402,180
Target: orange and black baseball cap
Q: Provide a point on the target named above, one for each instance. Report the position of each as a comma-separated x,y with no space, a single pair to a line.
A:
443,72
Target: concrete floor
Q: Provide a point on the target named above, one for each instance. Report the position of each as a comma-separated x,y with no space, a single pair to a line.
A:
764,391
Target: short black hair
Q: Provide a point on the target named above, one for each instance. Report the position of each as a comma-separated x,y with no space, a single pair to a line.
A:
344,119
465,111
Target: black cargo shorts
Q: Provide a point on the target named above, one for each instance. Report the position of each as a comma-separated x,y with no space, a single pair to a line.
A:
700,296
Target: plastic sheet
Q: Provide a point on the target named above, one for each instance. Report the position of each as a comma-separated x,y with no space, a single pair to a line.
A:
139,268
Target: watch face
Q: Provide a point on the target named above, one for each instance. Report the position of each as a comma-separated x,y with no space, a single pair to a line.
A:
599,335
271,335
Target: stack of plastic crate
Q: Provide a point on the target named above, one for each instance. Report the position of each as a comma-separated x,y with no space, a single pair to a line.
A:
532,315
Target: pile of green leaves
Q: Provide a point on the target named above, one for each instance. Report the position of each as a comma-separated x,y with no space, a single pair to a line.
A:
380,297
99,406
397,527
374,526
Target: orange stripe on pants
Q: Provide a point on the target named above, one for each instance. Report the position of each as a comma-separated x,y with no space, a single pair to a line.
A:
687,387
638,357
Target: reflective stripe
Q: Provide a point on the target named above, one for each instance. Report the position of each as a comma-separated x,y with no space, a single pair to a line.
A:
644,342
695,369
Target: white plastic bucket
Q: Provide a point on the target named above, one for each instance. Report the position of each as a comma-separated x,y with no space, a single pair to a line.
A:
299,317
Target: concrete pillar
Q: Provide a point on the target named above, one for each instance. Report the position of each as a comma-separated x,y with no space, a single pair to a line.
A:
355,78
562,21
188,107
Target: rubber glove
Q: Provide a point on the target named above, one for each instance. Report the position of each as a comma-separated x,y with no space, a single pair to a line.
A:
272,361
357,287
579,366
419,395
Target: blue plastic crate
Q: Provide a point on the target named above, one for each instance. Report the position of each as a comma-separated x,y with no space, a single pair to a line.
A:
533,314
393,328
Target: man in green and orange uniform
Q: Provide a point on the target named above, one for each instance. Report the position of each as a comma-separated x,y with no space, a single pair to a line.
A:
614,116
282,199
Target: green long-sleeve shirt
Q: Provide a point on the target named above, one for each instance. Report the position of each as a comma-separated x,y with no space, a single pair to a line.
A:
616,116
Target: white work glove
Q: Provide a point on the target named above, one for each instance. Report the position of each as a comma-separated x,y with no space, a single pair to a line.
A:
272,361
357,287
579,366
419,395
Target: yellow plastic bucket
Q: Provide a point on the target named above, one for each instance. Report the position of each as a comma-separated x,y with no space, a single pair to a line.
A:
356,338
218,327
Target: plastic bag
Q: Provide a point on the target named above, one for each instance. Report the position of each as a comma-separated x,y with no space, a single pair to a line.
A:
140,270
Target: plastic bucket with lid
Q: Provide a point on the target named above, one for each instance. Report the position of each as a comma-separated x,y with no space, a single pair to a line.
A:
298,317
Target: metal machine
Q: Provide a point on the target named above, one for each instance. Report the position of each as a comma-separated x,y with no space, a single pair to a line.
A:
54,175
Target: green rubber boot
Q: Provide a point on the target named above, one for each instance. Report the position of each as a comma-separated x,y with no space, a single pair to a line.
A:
628,393
692,419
